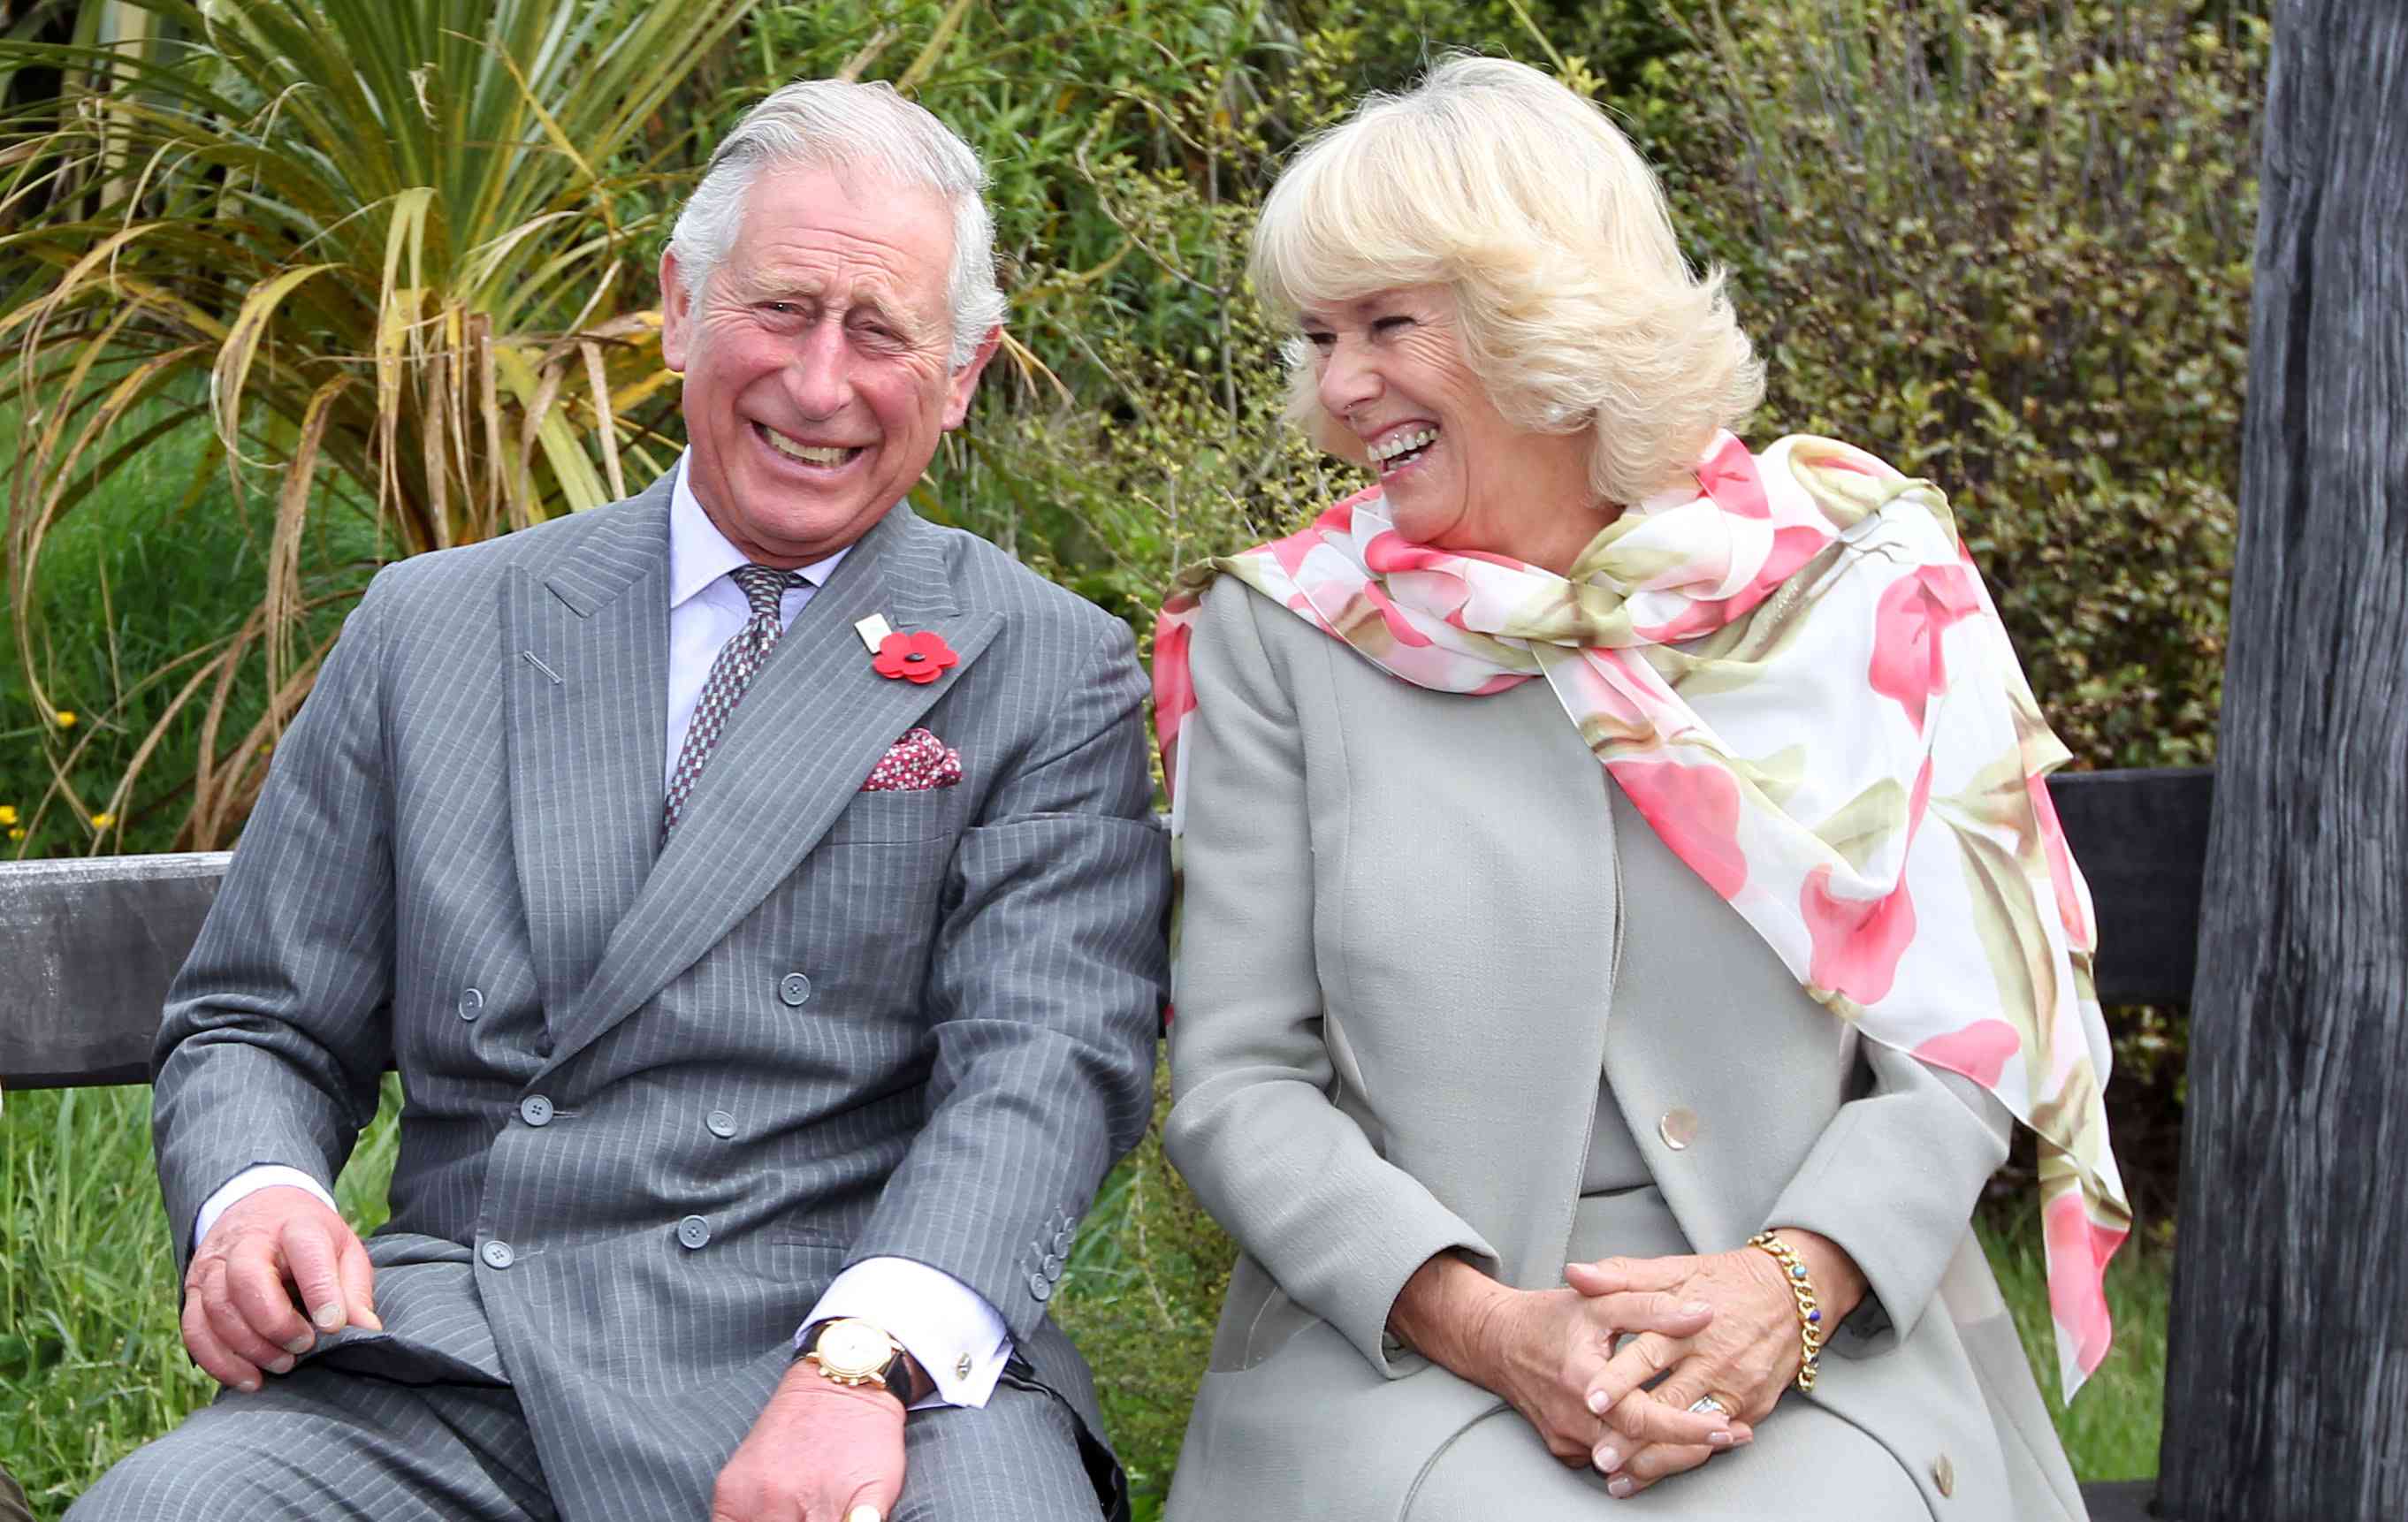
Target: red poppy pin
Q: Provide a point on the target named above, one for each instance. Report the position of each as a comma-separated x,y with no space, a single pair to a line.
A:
918,656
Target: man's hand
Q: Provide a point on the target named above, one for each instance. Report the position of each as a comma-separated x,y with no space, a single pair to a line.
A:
269,1254
822,1452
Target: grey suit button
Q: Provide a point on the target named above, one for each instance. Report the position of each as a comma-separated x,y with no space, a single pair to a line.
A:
793,988
1944,1476
536,1109
1679,1127
722,1123
1052,1269
1040,1287
1062,1240
497,1255
694,1232
472,1004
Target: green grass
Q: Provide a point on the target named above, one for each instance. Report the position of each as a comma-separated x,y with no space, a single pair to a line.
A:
165,560
2110,1434
91,1364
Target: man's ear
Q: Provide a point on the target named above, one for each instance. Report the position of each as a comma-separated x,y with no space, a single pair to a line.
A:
964,382
677,314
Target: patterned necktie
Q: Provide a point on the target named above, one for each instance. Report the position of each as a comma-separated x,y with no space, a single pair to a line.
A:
730,673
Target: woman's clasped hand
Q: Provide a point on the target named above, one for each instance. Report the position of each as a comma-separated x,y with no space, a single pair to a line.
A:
1743,1357
1548,1351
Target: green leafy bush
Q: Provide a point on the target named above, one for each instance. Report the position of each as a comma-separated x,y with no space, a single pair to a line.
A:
2008,246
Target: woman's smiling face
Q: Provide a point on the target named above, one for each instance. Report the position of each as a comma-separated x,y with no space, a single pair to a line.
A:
1390,371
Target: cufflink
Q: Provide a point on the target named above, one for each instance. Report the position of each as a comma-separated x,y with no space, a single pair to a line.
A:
962,1367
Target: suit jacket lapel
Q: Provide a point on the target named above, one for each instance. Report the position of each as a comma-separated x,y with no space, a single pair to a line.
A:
586,645
807,732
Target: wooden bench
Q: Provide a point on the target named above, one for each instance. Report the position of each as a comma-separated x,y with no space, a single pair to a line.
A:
88,946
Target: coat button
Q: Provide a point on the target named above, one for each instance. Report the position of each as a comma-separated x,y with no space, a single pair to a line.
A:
793,988
1062,1240
1944,1476
536,1109
497,1255
472,1004
720,1123
1053,1268
1679,1127
694,1232
1040,1287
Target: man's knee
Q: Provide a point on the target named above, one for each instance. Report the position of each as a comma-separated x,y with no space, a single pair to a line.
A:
1019,1460
174,1477
312,1445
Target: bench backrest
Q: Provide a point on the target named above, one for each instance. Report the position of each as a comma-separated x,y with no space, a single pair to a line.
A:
88,946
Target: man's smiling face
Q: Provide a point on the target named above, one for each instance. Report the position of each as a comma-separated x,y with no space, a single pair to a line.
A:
816,360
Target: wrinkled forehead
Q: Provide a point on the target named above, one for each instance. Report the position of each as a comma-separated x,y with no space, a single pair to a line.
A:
844,231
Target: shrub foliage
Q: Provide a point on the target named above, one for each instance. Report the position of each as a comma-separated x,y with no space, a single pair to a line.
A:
406,245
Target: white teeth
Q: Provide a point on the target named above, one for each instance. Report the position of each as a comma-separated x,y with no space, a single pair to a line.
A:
804,453
1388,449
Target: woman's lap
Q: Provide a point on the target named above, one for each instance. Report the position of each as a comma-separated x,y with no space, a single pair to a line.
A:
1806,1464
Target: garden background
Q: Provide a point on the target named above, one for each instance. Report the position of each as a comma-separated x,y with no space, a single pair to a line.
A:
290,288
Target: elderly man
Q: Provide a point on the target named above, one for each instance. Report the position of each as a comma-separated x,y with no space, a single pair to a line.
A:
756,888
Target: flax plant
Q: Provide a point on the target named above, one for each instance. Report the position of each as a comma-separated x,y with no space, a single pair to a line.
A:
395,253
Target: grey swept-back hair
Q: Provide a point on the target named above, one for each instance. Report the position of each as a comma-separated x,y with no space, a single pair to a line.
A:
829,122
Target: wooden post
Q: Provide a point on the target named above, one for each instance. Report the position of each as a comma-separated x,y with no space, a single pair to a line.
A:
2287,1392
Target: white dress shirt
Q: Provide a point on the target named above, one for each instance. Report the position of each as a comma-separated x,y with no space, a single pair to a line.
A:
950,1329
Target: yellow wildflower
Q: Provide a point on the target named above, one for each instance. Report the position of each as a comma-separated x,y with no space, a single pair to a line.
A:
65,718
17,834
102,821
8,813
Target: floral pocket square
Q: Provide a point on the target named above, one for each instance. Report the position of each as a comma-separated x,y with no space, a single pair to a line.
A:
919,761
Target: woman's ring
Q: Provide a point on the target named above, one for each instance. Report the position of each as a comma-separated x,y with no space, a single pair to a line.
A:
1706,1402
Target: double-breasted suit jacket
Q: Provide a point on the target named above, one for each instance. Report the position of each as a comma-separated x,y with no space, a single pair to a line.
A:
659,1095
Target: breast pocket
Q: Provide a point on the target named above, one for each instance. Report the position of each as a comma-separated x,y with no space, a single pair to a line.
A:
890,818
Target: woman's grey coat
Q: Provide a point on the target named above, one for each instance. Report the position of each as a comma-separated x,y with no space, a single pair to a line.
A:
1420,930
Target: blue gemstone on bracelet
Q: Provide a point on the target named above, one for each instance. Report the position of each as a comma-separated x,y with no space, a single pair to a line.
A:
1813,1316
1797,1272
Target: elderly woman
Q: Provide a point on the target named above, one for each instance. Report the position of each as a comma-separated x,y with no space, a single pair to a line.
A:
1624,919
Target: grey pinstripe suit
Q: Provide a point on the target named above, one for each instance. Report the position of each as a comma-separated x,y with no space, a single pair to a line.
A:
927,1015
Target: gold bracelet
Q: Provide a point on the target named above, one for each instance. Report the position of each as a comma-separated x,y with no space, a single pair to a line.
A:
1810,1310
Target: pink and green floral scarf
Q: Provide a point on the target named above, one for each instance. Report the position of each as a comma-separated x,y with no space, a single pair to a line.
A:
1796,675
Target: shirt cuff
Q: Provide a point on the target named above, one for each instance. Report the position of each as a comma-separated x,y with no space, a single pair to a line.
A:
250,1182
947,1326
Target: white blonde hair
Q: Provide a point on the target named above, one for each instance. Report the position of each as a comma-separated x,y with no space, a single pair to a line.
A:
1578,311
837,123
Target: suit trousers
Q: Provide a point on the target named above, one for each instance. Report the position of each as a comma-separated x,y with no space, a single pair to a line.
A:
328,1442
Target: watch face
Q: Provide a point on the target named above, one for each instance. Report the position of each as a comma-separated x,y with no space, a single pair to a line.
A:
854,1347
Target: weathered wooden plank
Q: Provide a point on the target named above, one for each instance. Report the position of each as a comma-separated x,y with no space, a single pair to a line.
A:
2287,1390
87,948
2140,837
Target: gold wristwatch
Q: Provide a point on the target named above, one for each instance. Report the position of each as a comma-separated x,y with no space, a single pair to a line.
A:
852,1351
